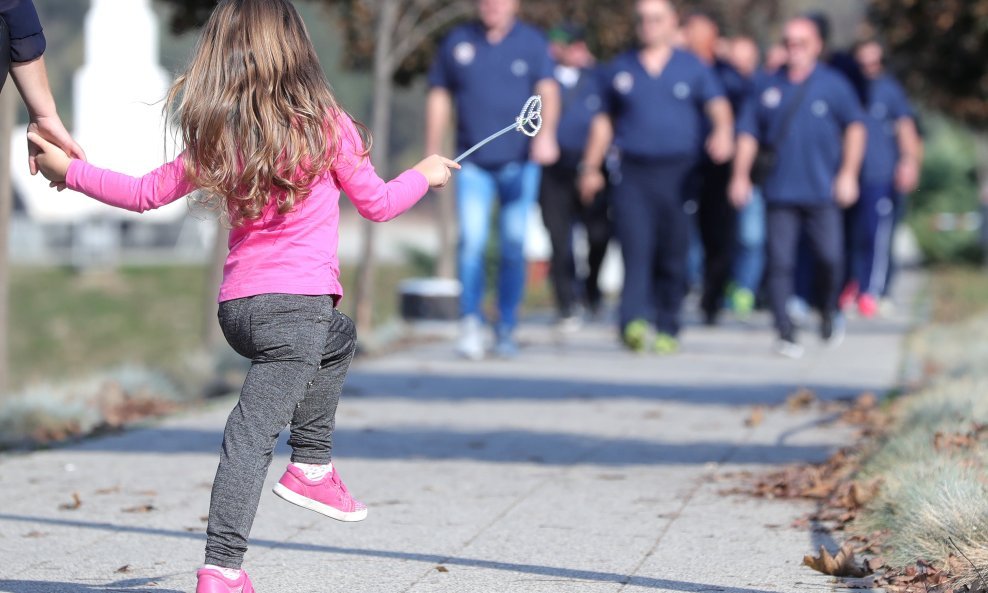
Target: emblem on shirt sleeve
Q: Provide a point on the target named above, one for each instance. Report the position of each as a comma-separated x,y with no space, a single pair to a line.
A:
772,97
624,82
519,67
820,108
464,53
681,90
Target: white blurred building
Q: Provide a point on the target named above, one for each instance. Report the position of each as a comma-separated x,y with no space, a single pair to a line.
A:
118,98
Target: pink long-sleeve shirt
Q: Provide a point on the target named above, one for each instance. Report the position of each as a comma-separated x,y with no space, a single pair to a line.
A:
294,253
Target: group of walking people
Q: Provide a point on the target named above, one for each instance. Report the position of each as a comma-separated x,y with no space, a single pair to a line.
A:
776,181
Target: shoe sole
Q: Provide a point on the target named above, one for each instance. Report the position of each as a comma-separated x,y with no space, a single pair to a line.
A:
314,505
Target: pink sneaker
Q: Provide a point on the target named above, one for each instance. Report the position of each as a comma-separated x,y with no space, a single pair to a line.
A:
847,296
213,581
867,306
327,496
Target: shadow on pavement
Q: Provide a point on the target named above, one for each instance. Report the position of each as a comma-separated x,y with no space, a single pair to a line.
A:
15,586
433,559
432,387
504,446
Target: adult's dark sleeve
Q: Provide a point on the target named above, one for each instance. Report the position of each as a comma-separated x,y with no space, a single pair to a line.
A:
27,39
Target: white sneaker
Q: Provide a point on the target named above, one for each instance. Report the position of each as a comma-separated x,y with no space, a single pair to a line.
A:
569,325
791,350
798,310
837,332
471,344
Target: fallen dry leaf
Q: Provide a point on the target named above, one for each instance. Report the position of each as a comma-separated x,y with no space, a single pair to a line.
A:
841,565
800,400
141,508
756,417
442,568
71,506
123,569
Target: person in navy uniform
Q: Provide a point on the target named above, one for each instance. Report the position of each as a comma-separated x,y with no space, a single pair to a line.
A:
717,217
809,117
560,200
891,171
27,68
486,71
655,110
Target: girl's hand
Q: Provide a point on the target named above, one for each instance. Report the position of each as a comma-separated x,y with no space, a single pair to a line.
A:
51,160
437,170
51,129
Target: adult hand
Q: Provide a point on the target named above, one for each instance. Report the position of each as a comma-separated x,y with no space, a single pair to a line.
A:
49,159
590,183
907,176
739,191
545,150
720,146
846,189
52,130
437,170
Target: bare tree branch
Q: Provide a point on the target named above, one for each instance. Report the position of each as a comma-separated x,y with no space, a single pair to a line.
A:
426,29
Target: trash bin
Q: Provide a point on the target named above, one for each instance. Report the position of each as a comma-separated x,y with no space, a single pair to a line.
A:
429,299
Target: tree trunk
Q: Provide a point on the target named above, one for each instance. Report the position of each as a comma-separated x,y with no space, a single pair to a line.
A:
381,130
8,111
981,152
212,335
446,221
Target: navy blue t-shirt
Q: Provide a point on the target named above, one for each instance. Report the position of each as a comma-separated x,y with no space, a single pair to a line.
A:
581,101
736,86
490,84
659,116
887,104
27,41
809,156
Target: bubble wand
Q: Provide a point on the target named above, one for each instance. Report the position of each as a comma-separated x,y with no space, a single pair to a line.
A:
529,122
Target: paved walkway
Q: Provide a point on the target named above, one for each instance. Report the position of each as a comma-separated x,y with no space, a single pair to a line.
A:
578,467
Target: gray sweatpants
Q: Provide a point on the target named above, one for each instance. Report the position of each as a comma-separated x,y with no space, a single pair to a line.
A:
300,349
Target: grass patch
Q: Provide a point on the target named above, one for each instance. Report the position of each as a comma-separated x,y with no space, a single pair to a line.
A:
66,325
958,293
932,462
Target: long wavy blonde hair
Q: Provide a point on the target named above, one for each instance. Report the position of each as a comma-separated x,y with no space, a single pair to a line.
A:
255,111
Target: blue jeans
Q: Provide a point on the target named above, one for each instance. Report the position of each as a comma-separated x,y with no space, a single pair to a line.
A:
750,263
517,187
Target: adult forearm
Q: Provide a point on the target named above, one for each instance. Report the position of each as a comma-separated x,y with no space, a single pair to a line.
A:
438,112
720,114
548,89
31,79
744,159
855,137
601,136
910,144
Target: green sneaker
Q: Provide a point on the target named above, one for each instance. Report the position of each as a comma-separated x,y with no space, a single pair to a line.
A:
636,335
666,344
743,302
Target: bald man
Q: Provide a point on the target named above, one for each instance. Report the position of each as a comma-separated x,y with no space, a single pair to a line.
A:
662,109
808,117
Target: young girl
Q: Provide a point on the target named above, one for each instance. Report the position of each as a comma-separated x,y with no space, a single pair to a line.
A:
264,134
